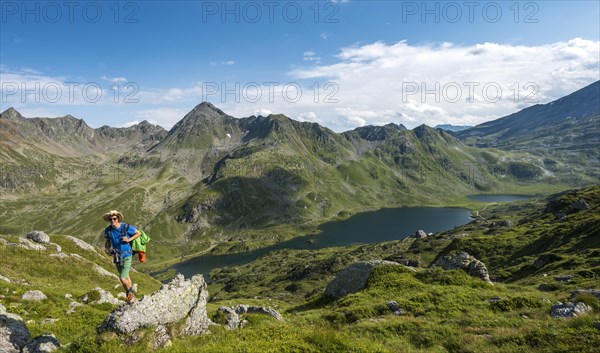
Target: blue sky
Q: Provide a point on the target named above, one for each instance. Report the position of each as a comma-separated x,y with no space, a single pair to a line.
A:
342,64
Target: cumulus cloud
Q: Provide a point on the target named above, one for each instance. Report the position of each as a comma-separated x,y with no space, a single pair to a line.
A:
451,83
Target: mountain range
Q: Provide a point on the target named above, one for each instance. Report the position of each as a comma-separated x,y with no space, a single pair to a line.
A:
214,178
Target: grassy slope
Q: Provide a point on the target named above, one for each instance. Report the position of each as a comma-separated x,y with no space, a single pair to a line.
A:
447,310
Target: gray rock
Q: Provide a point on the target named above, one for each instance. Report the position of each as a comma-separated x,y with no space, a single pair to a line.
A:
14,335
161,337
466,262
29,245
48,321
231,317
560,310
395,308
565,278
197,322
354,277
560,217
174,301
42,344
101,270
597,325
5,279
251,309
105,297
72,306
34,295
38,237
420,234
580,205
575,293
82,244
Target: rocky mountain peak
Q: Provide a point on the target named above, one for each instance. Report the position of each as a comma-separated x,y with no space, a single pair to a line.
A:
11,114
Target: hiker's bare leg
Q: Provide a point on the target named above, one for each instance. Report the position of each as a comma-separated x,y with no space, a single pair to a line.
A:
126,282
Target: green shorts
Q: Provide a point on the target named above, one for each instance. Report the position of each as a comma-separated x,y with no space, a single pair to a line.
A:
123,268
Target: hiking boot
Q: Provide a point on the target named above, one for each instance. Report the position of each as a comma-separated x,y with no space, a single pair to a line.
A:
130,298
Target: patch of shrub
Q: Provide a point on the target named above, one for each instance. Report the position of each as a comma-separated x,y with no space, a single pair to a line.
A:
510,304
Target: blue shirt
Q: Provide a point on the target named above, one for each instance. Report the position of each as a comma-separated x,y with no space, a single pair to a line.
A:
114,234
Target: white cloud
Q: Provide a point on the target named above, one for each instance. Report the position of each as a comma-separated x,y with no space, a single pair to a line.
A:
114,79
262,112
225,62
130,123
309,117
165,117
450,83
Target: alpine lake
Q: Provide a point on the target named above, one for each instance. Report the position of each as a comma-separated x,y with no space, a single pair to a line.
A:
383,225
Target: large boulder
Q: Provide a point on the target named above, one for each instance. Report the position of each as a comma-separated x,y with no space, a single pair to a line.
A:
39,237
174,301
354,277
466,262
14,335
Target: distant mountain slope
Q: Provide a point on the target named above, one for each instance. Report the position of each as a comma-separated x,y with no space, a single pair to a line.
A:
453,128
501,132
69,136
564,134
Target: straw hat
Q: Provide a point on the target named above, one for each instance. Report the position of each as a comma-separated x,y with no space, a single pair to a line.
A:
111,214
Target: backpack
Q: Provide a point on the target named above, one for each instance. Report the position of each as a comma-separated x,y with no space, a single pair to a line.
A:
138,245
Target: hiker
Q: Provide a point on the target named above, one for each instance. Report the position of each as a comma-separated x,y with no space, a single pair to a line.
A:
118,238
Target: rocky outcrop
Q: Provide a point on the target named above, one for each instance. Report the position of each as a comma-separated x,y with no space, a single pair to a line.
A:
354,277
82,244
39,237
564,278
104,272
24,243
232,315
251,309
174,301
420,234
466,262
574,294
560,310
42,344
34,295
14,335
